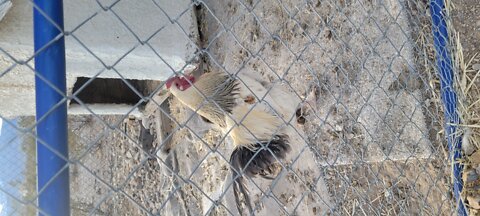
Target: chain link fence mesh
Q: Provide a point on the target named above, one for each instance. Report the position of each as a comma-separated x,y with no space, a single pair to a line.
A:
369,139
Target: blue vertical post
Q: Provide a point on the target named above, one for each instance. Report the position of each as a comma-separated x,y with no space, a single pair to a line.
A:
449,96
53,178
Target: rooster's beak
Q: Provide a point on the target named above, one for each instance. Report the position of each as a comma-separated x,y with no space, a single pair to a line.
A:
189,69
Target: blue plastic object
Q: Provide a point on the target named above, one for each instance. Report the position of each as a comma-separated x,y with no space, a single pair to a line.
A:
53,176
449,96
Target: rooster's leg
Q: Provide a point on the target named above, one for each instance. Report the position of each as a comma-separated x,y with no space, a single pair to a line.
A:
308,104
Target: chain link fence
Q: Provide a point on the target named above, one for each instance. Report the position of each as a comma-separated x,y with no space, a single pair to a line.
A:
354,83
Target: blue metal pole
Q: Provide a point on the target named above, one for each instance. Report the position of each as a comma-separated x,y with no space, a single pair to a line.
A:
449,96
53,177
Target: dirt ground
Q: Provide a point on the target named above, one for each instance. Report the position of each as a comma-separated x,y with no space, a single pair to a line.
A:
466,19
109,160
466,22
373,114
370,147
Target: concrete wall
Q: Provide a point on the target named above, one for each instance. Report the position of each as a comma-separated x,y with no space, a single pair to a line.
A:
99,39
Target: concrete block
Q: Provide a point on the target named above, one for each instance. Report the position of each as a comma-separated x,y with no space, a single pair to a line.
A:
137,40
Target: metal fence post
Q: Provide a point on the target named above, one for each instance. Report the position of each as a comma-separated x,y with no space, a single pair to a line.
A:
53,175
449,96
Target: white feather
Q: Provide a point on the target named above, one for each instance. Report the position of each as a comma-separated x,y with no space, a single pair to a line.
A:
261,119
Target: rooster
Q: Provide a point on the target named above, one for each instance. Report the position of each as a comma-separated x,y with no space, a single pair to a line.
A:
249,113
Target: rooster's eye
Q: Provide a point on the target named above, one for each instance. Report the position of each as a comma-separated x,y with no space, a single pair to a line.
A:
176,84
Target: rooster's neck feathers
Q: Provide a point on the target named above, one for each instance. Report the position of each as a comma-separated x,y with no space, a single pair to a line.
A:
213,94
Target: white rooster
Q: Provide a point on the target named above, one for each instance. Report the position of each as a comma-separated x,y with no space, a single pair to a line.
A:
255,117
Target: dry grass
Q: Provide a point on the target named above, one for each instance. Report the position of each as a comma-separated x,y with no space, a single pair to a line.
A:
469,108
468,90
467,78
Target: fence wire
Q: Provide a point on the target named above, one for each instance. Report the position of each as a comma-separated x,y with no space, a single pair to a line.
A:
354,83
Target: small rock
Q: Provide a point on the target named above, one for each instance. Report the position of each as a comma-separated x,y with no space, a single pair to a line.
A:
474,201
388,196
476,67
478,169
475,157
469,176
350,136
128,155
467,147
338,128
